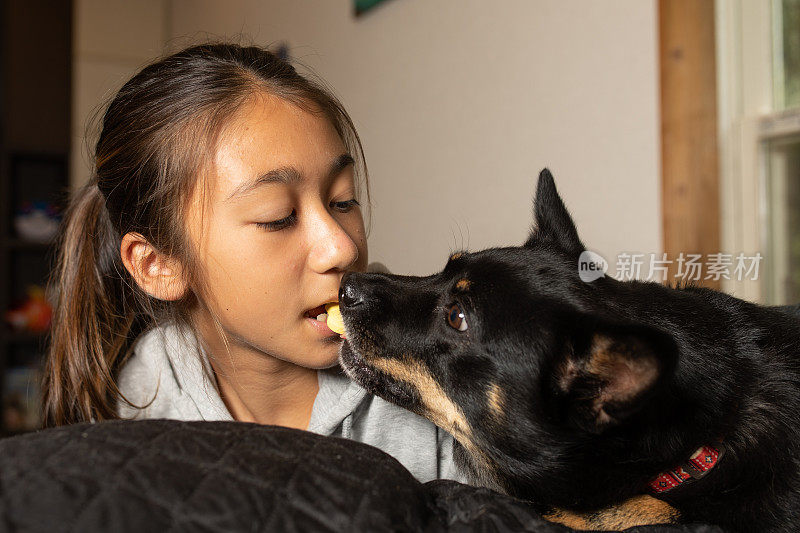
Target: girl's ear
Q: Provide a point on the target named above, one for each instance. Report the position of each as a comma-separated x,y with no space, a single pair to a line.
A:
158,275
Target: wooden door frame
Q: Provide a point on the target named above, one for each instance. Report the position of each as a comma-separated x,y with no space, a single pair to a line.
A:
690,181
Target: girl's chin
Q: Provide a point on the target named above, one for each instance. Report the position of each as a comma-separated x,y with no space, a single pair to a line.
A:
319,355
322,361
330,364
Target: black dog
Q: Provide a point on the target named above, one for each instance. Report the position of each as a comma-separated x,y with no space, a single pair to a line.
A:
582,395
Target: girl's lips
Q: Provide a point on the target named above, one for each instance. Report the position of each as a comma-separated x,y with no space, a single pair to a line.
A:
321,327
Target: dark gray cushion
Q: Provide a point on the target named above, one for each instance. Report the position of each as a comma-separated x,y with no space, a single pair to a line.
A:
160,475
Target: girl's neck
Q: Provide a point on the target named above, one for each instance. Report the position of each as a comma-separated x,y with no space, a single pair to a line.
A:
260,388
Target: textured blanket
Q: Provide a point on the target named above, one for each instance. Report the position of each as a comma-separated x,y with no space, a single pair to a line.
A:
160,475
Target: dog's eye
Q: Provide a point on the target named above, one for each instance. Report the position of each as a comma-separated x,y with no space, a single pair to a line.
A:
456,318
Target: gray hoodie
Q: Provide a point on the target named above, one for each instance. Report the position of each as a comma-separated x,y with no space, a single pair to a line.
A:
171,378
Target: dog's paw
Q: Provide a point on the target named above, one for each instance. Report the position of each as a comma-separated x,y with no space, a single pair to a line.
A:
637,511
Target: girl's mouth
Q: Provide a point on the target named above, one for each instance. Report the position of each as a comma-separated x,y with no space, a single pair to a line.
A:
317,313
318,319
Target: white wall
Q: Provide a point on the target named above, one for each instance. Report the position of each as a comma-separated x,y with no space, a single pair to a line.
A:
112,40
460,103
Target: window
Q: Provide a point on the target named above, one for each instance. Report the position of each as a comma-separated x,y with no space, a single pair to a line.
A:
758,72
786,53
782,280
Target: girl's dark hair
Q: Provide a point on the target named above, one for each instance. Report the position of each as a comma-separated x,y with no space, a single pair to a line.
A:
157,134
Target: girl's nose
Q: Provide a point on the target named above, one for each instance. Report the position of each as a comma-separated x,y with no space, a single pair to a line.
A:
332,248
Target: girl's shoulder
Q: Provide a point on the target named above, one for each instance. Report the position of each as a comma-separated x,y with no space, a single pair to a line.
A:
141,373
165,376
345,409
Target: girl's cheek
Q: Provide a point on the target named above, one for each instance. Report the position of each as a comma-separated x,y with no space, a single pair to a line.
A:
281,268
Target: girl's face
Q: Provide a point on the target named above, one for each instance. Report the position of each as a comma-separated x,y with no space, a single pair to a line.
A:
278,230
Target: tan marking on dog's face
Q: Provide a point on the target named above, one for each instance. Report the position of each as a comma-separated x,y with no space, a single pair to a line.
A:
495,398
438,407
640,510
456,255
463,284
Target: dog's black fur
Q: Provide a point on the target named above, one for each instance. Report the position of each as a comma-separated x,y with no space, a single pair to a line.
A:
577,394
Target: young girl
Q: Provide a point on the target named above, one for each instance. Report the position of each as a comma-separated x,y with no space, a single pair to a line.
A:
193,268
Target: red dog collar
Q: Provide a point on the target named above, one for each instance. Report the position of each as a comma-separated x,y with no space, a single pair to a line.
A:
699,464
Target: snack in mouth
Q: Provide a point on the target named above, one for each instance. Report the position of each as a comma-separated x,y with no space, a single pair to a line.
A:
335,322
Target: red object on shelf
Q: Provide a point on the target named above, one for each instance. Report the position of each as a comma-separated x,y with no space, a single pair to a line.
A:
34,314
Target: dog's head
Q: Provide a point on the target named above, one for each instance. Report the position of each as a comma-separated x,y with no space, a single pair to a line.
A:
505,348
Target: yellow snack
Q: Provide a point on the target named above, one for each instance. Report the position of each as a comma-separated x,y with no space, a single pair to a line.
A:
335,322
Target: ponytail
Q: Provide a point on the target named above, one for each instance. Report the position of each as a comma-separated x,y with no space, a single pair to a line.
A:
94,317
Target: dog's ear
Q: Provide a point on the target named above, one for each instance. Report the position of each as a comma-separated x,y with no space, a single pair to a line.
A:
552,222
608,372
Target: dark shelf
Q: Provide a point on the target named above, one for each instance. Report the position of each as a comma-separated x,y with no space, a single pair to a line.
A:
22,244
22,337
35,141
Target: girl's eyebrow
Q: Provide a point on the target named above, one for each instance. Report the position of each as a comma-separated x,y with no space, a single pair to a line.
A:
290,174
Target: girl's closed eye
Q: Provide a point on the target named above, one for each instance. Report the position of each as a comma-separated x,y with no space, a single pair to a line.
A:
345,206
276,225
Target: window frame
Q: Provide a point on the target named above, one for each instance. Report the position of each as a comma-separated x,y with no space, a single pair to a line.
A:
747,122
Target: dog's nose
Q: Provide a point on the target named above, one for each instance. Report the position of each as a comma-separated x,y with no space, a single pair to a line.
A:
349,295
